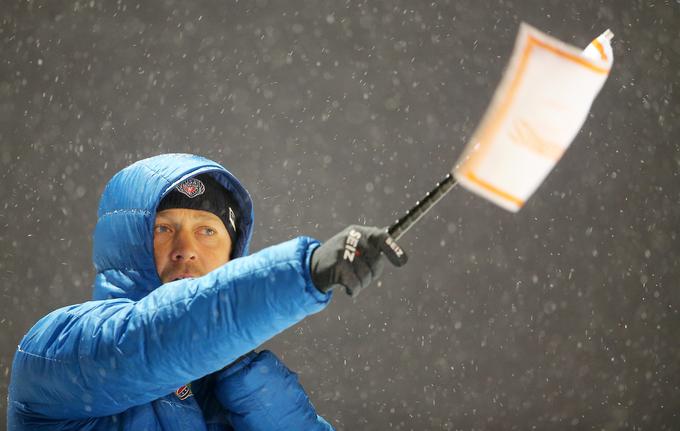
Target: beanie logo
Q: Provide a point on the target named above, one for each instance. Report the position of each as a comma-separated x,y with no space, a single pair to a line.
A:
191,188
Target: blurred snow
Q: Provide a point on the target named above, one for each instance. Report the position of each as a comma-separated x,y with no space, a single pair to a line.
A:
562,316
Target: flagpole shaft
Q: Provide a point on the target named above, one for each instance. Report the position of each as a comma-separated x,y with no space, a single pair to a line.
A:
399,228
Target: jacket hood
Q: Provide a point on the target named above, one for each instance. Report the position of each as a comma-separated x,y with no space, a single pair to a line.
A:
123,238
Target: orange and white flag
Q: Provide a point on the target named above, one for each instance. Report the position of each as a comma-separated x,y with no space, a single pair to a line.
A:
537,110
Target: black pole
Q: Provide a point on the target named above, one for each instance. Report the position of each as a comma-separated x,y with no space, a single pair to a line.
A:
400,227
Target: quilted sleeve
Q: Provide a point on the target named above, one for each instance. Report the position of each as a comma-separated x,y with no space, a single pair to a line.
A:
103,357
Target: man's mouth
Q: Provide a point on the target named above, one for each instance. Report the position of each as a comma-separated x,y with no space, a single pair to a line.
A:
182,277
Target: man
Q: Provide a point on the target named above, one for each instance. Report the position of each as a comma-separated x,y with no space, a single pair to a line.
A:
167,343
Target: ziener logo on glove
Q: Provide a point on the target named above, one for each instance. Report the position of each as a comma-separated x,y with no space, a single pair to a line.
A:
351,245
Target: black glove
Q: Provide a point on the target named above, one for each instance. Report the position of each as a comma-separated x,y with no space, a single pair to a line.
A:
354,258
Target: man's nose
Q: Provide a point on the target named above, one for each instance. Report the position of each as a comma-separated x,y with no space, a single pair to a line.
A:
184,247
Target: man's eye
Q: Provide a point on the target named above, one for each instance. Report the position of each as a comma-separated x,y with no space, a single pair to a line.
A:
208,231
161,229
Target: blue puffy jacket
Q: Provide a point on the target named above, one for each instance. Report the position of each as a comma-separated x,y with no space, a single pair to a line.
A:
142,356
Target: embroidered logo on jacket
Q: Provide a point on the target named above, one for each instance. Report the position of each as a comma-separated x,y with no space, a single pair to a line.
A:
183,392
191,187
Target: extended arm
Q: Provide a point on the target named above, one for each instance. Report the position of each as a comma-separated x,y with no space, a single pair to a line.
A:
102,357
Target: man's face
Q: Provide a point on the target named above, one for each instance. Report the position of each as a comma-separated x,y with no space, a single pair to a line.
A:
189,243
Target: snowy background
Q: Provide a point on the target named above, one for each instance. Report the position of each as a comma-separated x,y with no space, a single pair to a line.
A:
563,316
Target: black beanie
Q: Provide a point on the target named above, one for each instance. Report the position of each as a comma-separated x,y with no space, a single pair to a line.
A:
203,192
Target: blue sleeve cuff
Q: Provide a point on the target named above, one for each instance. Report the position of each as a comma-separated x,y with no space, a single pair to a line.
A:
312,244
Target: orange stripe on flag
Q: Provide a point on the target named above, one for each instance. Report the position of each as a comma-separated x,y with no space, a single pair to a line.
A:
493,189
600,49
576,58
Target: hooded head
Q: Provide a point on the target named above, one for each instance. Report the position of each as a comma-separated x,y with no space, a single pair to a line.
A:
123,240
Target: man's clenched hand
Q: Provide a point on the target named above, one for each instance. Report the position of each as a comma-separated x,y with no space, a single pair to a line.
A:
354,258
